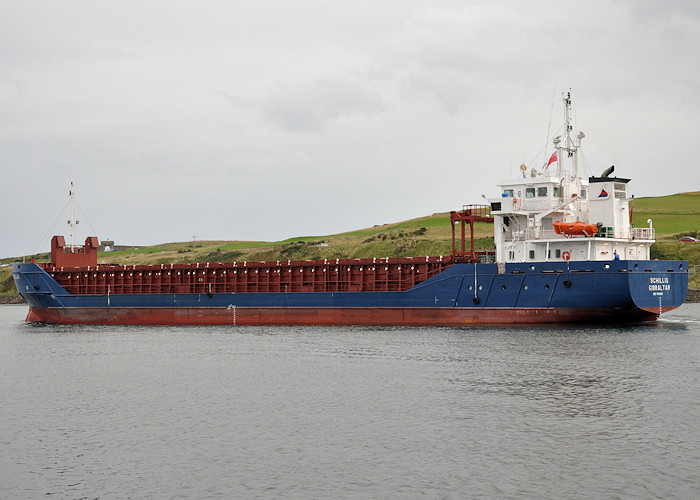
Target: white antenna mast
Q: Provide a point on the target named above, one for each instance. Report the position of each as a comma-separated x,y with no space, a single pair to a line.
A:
570,146
72,220
569,127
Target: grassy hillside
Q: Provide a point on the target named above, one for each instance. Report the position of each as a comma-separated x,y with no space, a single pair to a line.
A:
424,236
673,216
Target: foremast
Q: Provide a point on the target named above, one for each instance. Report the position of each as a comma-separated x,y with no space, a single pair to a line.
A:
72,222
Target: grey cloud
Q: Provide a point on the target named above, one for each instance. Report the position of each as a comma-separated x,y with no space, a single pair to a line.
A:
656,9
309,107
199,99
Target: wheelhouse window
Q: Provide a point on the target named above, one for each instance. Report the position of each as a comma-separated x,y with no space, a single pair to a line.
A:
620,190
508,193
529,192
532,254
584,193
542,191
555,190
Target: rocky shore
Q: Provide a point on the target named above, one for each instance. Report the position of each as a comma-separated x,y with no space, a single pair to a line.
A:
693,295
12,299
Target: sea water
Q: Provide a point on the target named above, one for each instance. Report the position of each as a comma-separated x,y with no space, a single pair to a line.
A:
350,412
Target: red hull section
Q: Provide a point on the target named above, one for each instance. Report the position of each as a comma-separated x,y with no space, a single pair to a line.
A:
658,311
334,316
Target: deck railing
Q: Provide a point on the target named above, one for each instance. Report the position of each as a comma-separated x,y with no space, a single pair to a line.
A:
634,233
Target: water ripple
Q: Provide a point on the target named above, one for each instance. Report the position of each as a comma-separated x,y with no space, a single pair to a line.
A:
218,412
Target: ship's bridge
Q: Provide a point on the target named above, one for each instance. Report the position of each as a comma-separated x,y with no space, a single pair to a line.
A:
543,218
539,193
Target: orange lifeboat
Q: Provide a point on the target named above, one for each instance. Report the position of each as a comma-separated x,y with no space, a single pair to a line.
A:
574,228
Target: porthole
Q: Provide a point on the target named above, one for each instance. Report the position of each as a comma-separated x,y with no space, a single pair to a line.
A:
503,287
470,287
524,287
546,287
607,266
481,287
532,268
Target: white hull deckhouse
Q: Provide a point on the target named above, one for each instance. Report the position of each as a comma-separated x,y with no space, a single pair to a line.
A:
555,215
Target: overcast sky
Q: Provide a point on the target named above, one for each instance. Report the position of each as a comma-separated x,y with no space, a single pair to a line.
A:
263,120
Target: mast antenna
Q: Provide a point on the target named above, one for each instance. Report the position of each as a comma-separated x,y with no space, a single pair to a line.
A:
72,222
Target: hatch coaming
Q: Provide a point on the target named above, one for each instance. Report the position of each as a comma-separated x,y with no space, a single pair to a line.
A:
327,275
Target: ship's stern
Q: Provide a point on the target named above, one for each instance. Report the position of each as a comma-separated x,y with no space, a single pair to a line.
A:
658,286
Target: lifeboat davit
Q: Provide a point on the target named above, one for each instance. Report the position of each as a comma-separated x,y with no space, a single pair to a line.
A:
574,228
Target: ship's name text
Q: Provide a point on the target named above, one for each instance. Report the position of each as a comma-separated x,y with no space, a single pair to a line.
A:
659,285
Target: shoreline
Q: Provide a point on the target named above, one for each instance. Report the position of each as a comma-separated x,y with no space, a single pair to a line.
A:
12,299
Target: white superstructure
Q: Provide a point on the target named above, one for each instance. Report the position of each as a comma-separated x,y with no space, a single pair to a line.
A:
595,212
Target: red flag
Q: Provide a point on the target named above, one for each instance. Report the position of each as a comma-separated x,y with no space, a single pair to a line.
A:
552,159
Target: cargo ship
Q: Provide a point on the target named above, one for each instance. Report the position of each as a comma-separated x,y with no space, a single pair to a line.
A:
565,252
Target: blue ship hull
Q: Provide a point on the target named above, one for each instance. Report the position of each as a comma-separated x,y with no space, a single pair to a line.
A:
462,294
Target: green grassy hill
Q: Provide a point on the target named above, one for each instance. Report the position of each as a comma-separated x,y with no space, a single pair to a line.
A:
673,216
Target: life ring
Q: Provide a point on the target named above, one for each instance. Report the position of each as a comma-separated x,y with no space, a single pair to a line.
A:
565,255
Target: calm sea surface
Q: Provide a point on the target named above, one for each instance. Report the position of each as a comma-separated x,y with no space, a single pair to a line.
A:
350,412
